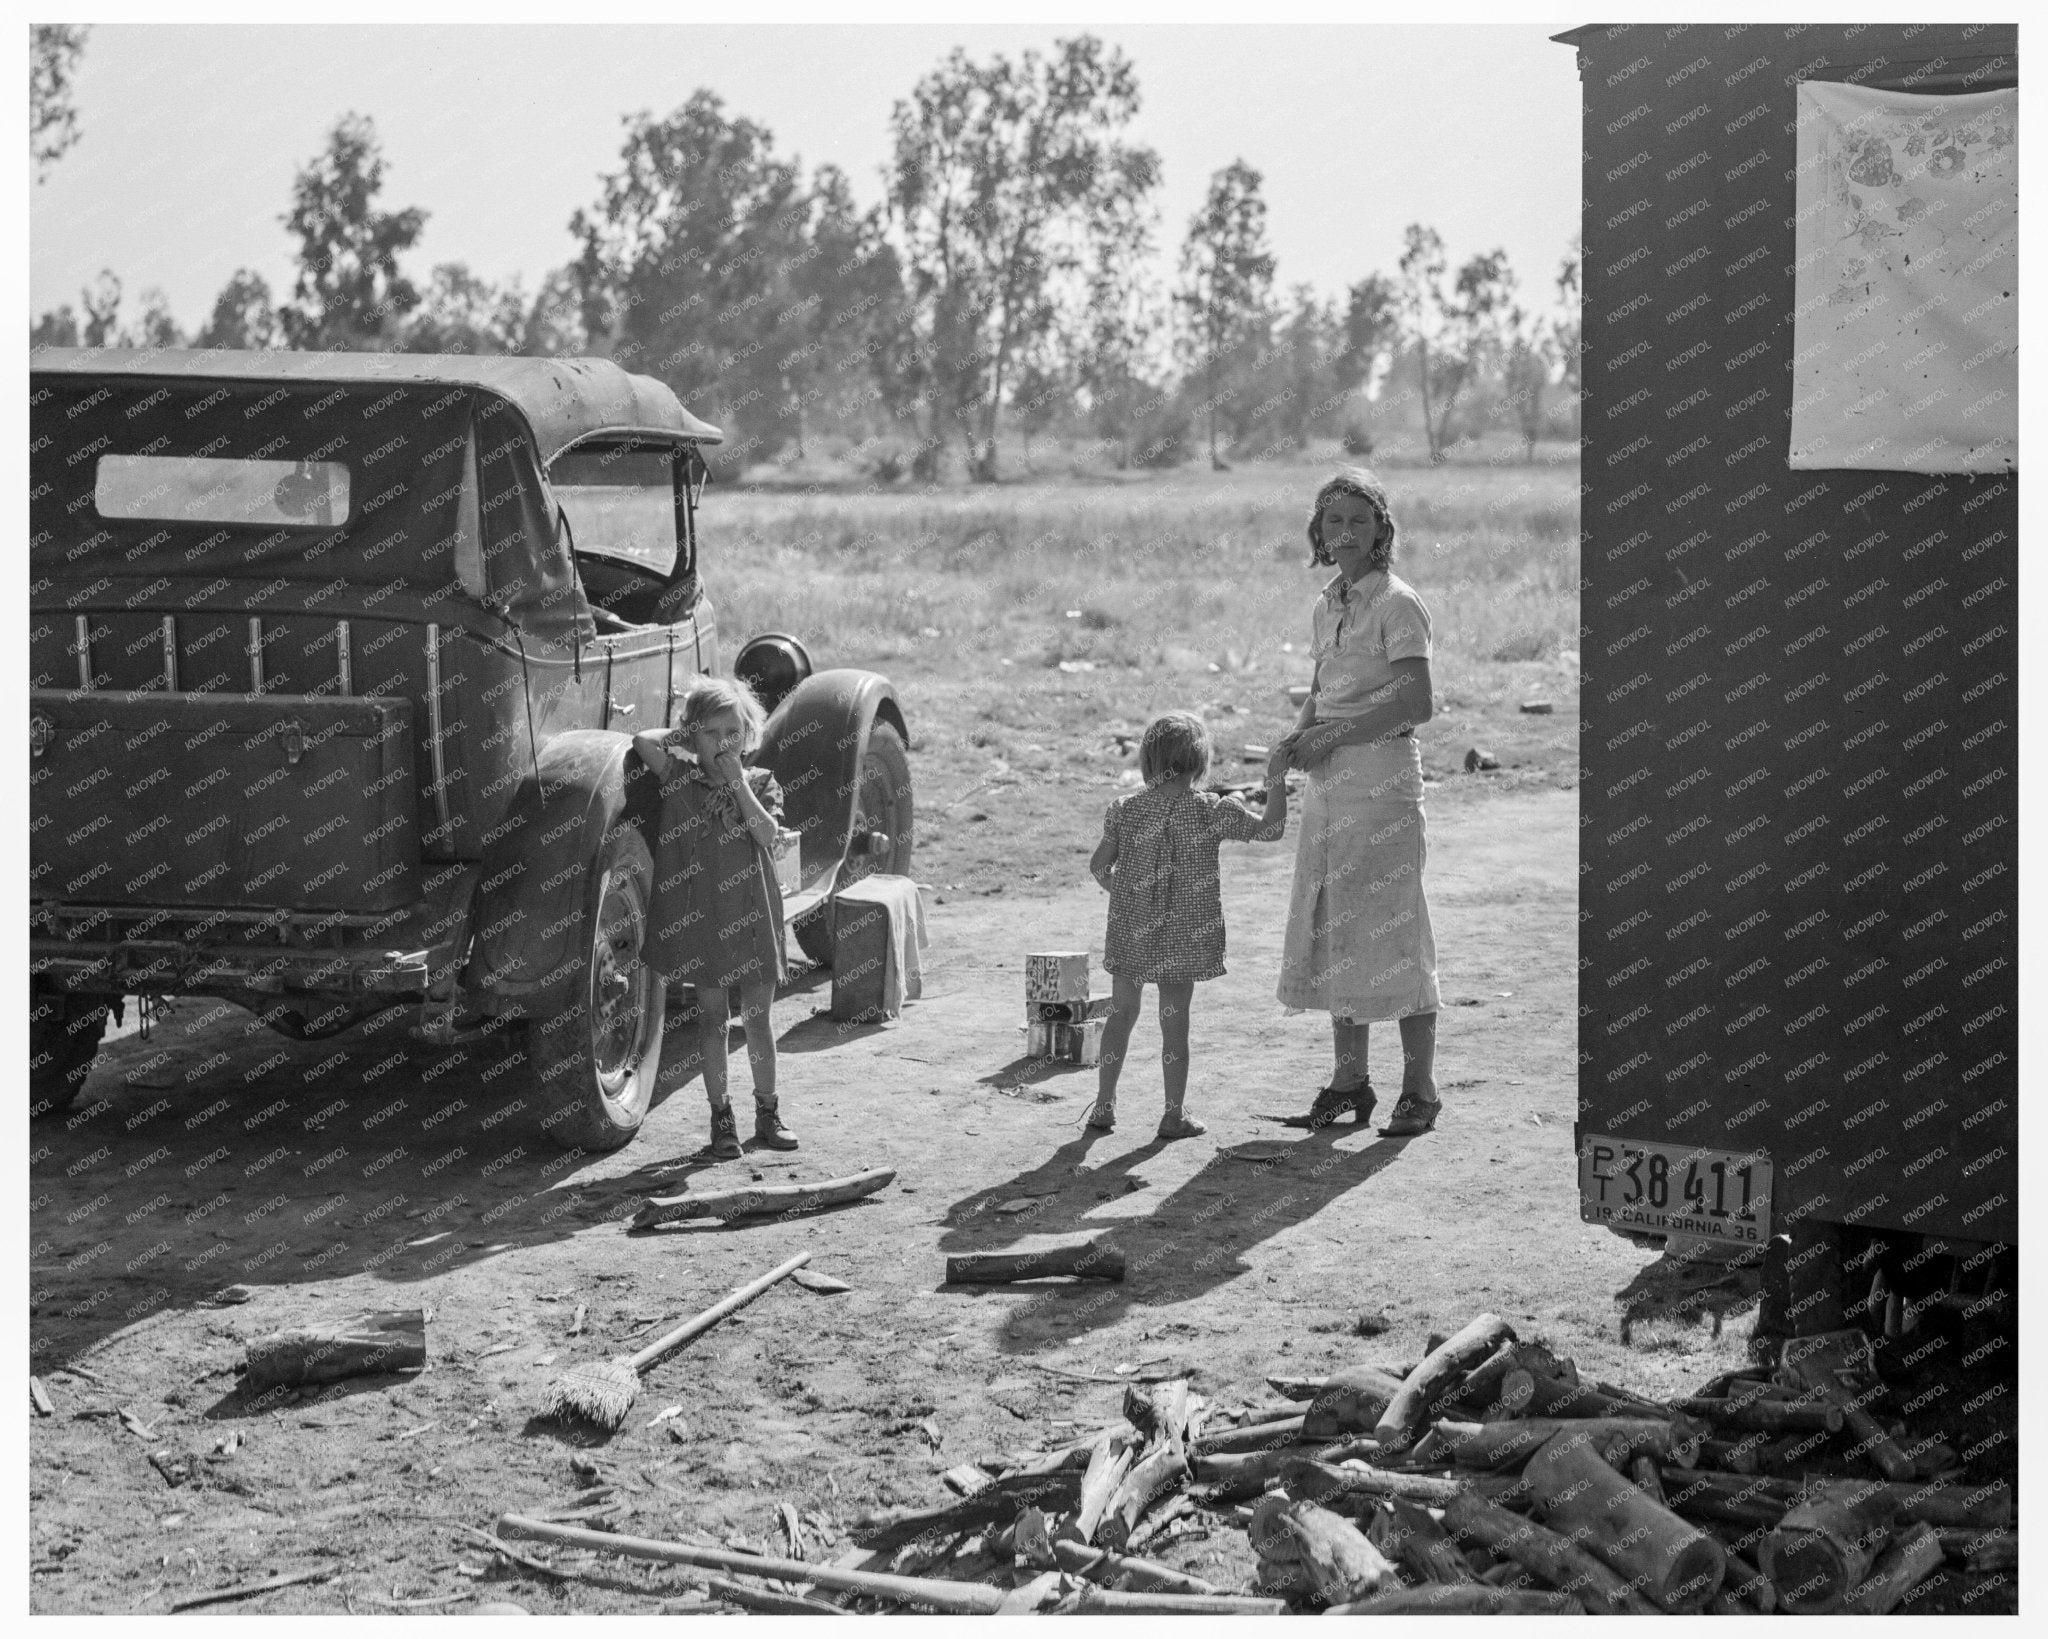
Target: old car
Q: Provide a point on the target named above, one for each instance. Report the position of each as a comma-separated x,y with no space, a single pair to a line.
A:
335,662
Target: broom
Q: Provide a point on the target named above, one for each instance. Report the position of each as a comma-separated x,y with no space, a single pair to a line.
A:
604,1391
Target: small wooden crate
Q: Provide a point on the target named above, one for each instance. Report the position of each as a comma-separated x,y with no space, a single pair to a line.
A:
1070,1043
1056,976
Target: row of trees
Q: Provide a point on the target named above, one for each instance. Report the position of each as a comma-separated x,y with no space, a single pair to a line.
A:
1007,284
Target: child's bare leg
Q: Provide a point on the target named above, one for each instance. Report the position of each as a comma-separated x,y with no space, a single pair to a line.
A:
1175,1002
1125,997
756,1001
711,1035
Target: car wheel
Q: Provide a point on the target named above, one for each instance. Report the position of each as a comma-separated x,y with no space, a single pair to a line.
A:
63,1038
593,1064
883,803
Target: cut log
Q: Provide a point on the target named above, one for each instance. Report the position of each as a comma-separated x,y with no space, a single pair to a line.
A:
1321,1482
1814,1367
1168,1411
761,1198
1094,1601
1528,1393
767,1601
1350,1402
1743,1456
1288,1431
1342,1563
1480,1387
1503,1445
1446,1363
1086,1260
1642,1469
1267,1531
1825,1547
1287,1579
995,1503
1109,1462
1162,1470
1463,1599
1981,1506
1039,1594
1551,1558
1984,1550
1764,1416
1678,1566
1296,1388
388,1340
966,1598
1913,1556
1417,1542
1234,1476
1144,1575
1743,1581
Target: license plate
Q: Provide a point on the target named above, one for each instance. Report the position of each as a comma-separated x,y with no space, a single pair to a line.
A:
1675,1189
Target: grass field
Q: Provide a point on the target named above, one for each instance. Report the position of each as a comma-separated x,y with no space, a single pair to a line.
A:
1184,589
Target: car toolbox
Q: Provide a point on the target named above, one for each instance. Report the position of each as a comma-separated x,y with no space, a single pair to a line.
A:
237,801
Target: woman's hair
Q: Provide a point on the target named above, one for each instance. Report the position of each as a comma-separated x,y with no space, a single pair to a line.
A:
1355,481
708,696
1176,743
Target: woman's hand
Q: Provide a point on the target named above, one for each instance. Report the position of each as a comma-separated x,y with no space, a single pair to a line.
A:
1312,749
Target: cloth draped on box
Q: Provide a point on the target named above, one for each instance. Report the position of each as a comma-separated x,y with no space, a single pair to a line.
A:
903,970
1905,334
1359,944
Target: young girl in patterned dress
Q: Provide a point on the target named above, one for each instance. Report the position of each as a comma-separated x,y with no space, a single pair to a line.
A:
1157,859
716,921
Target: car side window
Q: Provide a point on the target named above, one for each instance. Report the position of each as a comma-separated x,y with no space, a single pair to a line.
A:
623,506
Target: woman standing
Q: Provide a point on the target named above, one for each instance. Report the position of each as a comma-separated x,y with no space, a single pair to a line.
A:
1359,945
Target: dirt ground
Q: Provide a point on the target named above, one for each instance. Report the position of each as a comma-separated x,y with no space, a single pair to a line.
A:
1251,1250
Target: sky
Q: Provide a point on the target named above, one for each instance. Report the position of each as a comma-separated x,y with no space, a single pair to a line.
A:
192,135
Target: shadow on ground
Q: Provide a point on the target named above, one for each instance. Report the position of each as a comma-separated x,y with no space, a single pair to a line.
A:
1194,1240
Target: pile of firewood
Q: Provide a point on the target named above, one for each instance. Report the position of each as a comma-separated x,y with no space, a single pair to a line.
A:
1487,1479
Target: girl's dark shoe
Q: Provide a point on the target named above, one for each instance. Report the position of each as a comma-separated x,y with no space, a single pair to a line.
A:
1331,1103
1412,1117
725,1134
769,1132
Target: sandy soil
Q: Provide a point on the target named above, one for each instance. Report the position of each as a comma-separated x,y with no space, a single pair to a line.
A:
1253,1249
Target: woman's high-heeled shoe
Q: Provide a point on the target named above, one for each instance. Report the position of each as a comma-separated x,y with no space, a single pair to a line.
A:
1330,1103
1412,1117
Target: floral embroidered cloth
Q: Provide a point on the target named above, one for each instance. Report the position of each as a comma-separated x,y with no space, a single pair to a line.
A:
1905,335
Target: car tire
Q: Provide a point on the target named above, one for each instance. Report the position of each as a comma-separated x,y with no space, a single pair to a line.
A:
592,1065
63,1039
883,802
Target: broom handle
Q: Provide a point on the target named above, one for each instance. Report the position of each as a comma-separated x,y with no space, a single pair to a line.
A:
717,1312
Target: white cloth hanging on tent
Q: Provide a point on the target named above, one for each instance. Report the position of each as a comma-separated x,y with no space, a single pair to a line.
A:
1905,334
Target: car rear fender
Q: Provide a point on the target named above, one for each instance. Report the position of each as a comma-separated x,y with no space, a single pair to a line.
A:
813,745
531,891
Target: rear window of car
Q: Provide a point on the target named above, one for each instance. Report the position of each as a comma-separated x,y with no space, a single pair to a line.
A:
193,489
621,505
